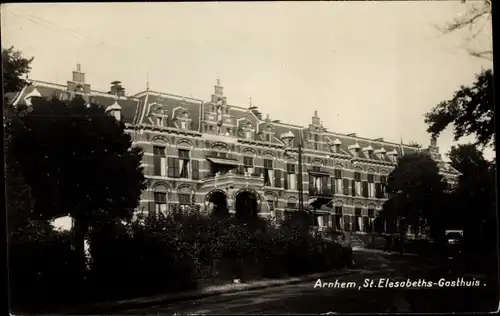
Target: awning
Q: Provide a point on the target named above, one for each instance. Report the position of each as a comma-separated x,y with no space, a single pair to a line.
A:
222,161
322,211
321,201
319,173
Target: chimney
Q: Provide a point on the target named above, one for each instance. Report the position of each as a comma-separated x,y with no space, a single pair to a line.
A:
117,89
315,119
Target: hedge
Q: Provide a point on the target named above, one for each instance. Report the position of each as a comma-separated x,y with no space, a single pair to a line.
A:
170,254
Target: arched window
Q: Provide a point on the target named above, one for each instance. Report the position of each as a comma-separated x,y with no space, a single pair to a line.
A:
186,195
271,200
160,196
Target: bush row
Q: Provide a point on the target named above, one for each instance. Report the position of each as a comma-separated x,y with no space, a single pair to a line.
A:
175,253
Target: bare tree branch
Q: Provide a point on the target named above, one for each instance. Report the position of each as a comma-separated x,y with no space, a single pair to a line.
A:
476,12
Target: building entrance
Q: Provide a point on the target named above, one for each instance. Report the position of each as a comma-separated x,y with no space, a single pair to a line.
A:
246,205
218,203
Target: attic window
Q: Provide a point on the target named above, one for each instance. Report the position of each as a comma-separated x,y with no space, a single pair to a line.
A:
183,125
248,133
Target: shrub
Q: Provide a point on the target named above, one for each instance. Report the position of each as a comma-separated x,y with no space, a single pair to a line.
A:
42,272
173,253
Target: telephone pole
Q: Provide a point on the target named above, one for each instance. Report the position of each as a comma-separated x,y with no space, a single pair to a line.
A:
299,177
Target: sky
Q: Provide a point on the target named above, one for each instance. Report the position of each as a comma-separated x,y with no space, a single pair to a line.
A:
371,68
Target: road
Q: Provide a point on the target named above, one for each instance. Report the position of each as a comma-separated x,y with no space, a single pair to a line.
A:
305,298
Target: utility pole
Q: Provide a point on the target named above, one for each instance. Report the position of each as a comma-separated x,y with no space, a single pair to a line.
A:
299,178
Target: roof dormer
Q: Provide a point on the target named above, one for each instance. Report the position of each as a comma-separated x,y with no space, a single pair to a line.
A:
115,110
393,155
354,149
335,146
380,153
32,94
288,138
368,151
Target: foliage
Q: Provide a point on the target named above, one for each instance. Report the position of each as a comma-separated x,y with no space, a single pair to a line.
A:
416,193
474,200
78,160
19,201
476,16
42,271
179,252
15,69
470,111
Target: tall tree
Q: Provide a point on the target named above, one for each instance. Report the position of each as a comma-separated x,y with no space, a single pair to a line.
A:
470,111
21,221
415,190
475,197
78,161
476,16
15,69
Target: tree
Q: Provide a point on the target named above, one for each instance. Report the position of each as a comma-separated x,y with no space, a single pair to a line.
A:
477,15
470,111
475,195
415,190
21,221
78,161
15,69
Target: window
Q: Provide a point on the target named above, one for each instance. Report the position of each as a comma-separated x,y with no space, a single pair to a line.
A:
338,181
316,168
271,205
159,161
159,121
345,186
371,185
160,200
336,148
291,205
371,219
338,217
268,137
357,220
383,184
248,134
290,177
365,188
183,125
184,163
268,164
316,137
322,220
210,128
356,190
248,165
268,172
184,199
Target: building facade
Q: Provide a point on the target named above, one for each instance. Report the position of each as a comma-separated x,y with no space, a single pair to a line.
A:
213,156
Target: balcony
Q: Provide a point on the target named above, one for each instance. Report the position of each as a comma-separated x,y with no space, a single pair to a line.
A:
320,193
231,178
319,172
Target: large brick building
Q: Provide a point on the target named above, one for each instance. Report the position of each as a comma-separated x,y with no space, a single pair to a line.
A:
221,157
